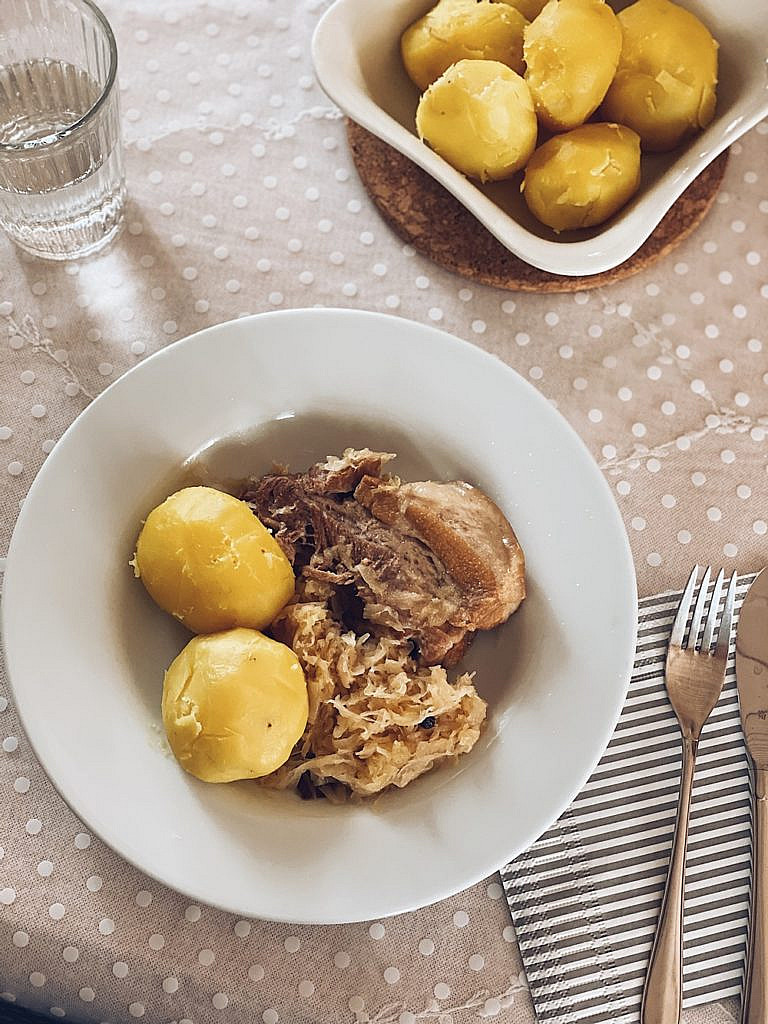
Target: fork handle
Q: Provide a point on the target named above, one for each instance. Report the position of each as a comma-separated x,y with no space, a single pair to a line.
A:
754,1007
662,995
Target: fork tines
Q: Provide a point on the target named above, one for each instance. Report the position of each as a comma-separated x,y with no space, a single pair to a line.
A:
722,634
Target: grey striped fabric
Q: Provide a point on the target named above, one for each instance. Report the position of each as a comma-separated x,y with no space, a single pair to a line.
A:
585,898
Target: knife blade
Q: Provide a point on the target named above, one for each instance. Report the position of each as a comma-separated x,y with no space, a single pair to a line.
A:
752,684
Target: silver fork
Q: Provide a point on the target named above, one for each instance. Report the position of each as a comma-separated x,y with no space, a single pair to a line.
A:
694,678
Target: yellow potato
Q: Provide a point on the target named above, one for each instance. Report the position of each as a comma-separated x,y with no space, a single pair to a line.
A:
581,178
205,558
529,9
665,85
234,705
457,30
479,117
571,52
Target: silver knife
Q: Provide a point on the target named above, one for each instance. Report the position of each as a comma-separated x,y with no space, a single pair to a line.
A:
752,683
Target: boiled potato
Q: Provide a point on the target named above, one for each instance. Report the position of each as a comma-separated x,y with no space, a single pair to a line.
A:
571,52
529,9
581,178
667,75
456,30
205,558
479,117
234,705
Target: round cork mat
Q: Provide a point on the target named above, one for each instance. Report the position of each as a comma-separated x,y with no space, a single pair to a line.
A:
430,219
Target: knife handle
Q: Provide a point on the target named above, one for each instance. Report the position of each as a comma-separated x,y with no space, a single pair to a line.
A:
663,992
754,1007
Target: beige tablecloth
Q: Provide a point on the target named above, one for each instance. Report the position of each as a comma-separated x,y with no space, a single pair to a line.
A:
244,199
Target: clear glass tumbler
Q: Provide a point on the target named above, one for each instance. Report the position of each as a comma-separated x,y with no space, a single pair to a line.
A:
62,189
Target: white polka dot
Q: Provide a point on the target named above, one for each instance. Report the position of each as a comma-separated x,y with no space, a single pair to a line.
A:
356,1004
292,944
15,468
93,883
391,975
738,226
5,433
28,377
87,994
739,311
714,514
476,962
256,972
727,456
22,784
595,415
337,258
106,926
730,550
82,841
57,911
435,314
136,1009
156,941
58,1011
233,286
37,979
120,969
276,298
479,326
696,298
206,957
377,931
759,526
753,258
242,929
522,339
170,985
324,226
270,1016
623,487
45,868
638,523
33,826
20,939
681,268
494,891
220,1000
349,289
7,896
654,559
306,277
535,373
565,352
441,990
170,327
406,1017
10,743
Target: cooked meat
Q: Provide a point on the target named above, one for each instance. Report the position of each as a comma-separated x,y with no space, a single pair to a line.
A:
434,562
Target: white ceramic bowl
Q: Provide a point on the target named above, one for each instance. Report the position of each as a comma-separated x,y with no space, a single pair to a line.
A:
356,49
86,647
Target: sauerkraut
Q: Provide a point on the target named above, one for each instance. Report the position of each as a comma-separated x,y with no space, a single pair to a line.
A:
377,717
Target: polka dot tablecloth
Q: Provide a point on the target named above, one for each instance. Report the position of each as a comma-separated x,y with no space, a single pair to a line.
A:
243,199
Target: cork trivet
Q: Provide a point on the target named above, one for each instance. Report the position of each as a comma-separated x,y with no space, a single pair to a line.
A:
428,217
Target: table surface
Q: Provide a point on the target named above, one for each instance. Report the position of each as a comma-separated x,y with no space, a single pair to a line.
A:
243,199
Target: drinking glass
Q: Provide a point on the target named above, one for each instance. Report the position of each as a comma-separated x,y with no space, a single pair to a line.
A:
62,189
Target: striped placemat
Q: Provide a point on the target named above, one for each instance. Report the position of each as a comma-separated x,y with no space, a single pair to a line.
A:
585,898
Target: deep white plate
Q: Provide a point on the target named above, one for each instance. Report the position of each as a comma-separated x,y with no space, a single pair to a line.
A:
86,648
356,50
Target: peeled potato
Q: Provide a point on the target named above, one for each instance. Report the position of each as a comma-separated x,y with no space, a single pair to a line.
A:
571,51
581,178
205,558
479,117
234,705
529,9
457,30
667,75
